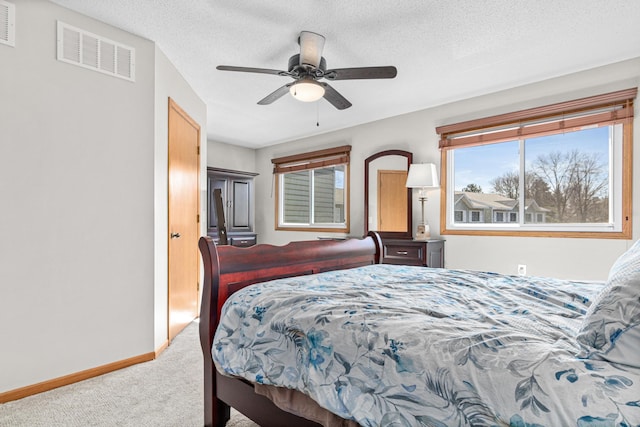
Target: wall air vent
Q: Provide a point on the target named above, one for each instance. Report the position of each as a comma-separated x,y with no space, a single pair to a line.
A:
88,50
7,23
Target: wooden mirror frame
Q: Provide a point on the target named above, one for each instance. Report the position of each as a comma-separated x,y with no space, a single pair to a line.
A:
388,234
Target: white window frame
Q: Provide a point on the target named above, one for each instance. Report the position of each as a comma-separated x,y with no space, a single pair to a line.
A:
311,225
615,193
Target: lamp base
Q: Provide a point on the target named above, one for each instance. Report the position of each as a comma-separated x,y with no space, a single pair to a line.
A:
423,232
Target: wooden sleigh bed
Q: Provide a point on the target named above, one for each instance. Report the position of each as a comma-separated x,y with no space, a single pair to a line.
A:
413,346
228,269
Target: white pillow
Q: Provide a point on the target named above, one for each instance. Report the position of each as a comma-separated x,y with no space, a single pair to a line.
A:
611,327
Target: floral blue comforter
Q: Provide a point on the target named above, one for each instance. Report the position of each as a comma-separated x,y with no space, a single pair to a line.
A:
411,346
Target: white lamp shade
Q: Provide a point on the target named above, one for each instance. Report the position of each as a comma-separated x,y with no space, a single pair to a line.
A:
306,90
422,175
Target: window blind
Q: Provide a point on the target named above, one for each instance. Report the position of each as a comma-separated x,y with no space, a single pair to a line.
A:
599,110
312,160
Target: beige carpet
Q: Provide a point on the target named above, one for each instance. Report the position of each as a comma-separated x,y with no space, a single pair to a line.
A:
239,420
166,392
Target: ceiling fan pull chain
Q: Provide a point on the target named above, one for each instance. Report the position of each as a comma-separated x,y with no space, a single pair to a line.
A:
318,113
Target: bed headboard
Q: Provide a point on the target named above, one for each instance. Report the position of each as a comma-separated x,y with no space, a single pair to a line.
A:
228,269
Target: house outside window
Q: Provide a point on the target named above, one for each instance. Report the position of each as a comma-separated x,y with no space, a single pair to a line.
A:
313,191
553,170
501,206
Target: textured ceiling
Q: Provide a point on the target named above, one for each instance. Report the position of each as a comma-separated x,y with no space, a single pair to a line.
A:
444,50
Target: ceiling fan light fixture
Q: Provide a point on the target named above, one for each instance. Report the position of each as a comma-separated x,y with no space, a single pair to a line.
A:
307,90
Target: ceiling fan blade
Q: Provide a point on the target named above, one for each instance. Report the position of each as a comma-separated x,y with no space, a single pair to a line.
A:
334,97
311,45
361,73
275,95
252,70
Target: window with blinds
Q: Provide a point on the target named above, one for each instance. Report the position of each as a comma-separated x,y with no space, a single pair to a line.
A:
561,170
312,190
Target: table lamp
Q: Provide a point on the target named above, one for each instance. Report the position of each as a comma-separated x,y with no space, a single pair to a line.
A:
422,176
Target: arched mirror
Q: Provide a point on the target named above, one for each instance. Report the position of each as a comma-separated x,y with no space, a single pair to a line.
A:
387,201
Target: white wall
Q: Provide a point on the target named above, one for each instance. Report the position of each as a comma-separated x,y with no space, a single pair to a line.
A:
169,83
233,157
78,161
565,258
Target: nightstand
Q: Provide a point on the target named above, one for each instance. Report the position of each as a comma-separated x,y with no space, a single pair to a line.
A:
426,253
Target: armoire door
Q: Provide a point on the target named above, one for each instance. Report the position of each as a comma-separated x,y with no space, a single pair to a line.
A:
239,213
215,183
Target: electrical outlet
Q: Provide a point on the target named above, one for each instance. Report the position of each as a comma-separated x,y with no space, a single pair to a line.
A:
522,269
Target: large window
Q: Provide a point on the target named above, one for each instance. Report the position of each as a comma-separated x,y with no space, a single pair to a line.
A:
313,190
561,170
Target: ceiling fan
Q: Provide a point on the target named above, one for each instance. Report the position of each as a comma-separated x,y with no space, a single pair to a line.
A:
308,67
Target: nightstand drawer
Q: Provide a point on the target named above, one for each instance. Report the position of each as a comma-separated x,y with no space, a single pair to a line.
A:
404,254
427,253
242,241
